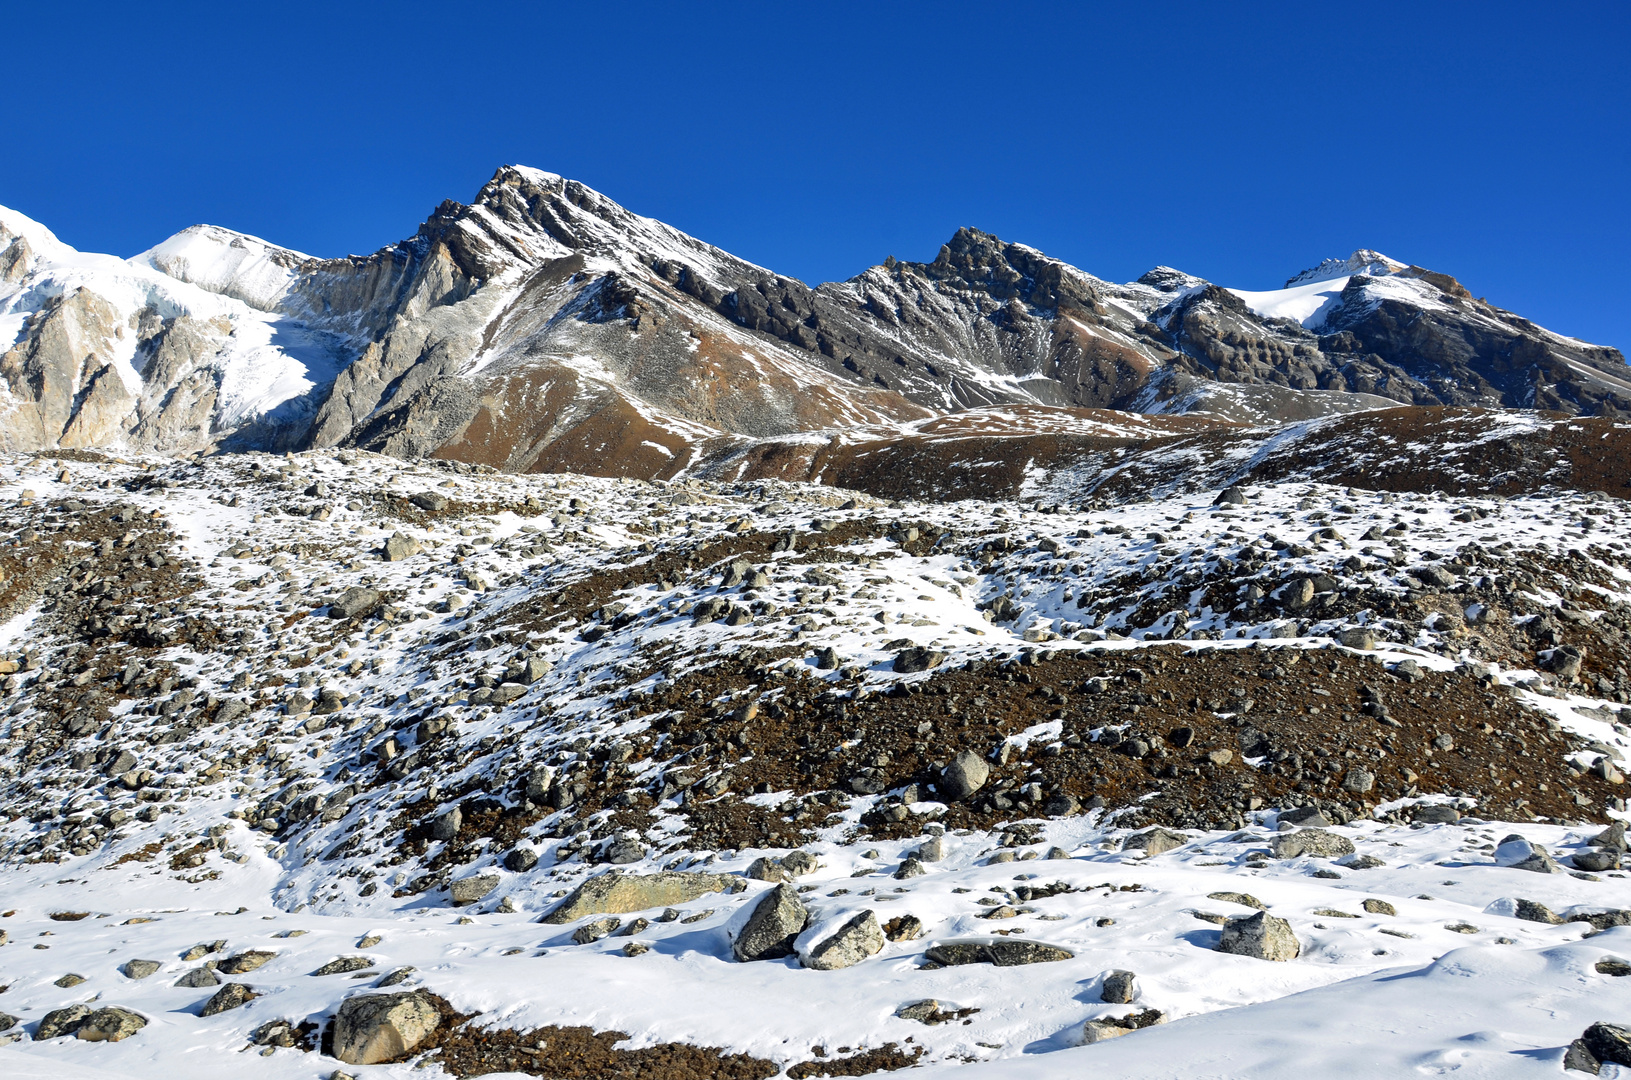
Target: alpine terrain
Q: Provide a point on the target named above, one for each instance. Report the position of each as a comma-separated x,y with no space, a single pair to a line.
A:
553,646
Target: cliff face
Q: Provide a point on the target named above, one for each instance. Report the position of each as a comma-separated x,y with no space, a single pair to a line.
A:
543,326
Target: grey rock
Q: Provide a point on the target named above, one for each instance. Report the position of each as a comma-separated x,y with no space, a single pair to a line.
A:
1611,838
1232,495
1243,899
520,859
8,1021
1579,1058
966,774
1534,911
1518,853
198,978
59,1022
595,929
1297,595
1596,862
397,977
1312,842
469,890
400,547
1305,815
1358,781
430,501
231,996
1004,953
918,659
446,825
1120,987
353,602
245,962
1609,1043
1154,841
344,965
624,850
1379,907
618,893
1435,814
1113,1027
110,1024
140,969
777,919
910,867
1359,637
1262,936
853,942
826,659
375,1028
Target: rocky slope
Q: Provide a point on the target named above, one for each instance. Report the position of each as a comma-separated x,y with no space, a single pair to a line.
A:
563,759
543,328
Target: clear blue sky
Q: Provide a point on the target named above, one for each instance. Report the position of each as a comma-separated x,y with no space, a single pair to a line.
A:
1241,142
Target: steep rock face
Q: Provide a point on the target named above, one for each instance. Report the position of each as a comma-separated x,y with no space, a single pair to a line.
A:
545,327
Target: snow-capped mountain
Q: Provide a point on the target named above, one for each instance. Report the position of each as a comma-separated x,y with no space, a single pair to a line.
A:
544,327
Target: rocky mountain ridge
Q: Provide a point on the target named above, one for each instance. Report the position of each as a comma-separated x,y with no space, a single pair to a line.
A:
543,327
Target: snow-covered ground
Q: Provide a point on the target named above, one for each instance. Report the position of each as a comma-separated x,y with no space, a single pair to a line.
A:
1439,978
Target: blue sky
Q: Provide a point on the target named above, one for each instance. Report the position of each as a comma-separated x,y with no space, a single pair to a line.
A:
1238,142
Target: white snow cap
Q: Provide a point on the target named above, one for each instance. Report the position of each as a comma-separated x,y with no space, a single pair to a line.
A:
1363,261
231,263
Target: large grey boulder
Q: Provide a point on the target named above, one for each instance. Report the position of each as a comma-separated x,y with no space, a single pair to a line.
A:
231,996
616,893
856,940
1262,936
1154,841
1609,1043
60,1022
110,1024
353,602
1315,842
469,890
1004,953
1120,987
375,1028
1519,854
139,969
966,774
777,920
400,547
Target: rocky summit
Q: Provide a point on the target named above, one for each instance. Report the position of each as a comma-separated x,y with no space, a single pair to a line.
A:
553,646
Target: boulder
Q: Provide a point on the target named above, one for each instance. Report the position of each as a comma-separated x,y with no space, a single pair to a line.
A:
353,602
469,890
1154,841
1360,637
60,1022
1519,854
199,977
230,996
1435,814
1004,953
618,893
966,774
1313,842
429,501
1230,496
1262,936
1111,1027
775,924
1611,838
139,969
375,1028
853,942
1305,815
400,547
917,658
1596,862
345,964
110,1024
446,825
1609,1043
245,962
1120,987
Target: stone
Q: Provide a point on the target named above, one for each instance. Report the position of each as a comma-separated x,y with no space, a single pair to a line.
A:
1120,987
636,948
926,1011
1111,1027
1262,936
1519,854
1435,814
595,929
1577,1058
853,942
353,602
1358,781
1220,758
769,932
344,964
231,996
59,1022
1534,911
397,977
624,850
69,980
826,659
1154,841
375,1028
469,890
1612,838
910,867
918,658
8,1021
1299,594
140,969
1004,953
110,1025
1063,804
198,978
1359,637
245,962
446,825
1596,862
1304,815
1609,1043
400,547
966,774
618,893
1316,843
1379,907
521,859
1230,496
430,501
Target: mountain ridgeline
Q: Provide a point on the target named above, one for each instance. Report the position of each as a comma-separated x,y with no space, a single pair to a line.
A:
543,327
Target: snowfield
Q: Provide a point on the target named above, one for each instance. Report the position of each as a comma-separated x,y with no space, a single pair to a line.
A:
1412,957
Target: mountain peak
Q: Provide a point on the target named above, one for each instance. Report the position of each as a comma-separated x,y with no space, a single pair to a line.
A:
1363,261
